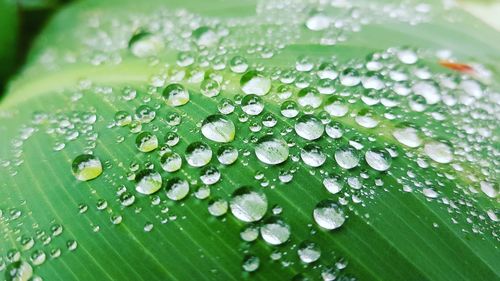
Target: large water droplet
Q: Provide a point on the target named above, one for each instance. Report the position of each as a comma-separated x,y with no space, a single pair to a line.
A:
86,167
227,155
145,44
217,207
175,95
146,142
198,154
317,22
347,157
250,263
438,152
271,150
171,162
148,181
275,231
253,82
328,215
407,136
309,127
379,160
177,189
252,105
218,128
18,271
309,252
248,205
312,155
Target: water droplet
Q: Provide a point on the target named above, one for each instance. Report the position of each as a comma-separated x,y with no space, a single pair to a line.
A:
145,114
204,36
210,88
19,271
177,189
289,109
317,22
210,175
252,105
198,154
250,233
253,82
86,167
144,44
309,252
146,142
175,95
275,231
309,97
309,127
248,205
438,152
123,118
350,77
407,136
148,181
250,263
333,184
312,155
238,64
218,128
171,162
227,155
328,215
347,157
271,150
217,207
407,56
379,160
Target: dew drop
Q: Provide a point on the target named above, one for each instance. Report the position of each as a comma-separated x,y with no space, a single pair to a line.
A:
148,181
438,152
379,160
19,271
328,215
144,44
252,105
218,128
250,263
347,157
407,136
253,82
198,154
86,167
312,155
309,127
176,189
171,162
146,142
271,150
217,207
248,205
275,231
227,155
309,252
175,95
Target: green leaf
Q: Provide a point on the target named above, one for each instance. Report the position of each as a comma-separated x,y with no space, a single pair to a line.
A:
8,37
415,208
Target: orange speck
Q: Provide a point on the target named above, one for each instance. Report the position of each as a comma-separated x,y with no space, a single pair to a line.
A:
461,67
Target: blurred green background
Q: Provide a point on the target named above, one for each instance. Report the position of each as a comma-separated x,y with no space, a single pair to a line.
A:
22,20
